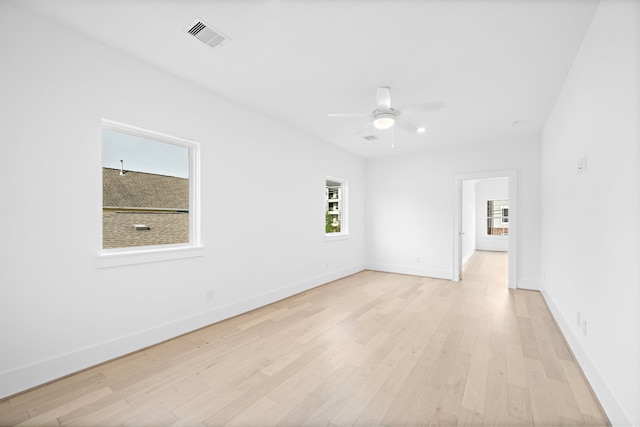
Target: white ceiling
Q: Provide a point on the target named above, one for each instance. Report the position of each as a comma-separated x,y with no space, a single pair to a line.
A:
493,61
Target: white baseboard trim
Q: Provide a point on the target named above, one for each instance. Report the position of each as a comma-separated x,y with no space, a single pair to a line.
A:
531,284
26,377
414,271
468,256
612,408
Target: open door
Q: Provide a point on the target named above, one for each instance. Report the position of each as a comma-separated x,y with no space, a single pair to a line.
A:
458,228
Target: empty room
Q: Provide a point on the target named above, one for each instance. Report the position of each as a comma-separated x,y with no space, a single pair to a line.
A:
320,213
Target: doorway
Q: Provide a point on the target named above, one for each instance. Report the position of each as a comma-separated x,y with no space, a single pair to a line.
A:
461,238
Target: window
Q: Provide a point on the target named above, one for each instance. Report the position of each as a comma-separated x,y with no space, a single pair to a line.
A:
149,197
497,217
335,207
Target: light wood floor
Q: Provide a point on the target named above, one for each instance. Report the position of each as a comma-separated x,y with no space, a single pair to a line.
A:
371,349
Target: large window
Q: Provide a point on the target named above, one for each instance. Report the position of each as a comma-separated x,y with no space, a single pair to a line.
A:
335,206
497,217
149,192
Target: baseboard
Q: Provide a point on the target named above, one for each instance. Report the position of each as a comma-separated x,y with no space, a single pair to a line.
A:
609,403
30,376
415,271
468,256
531,284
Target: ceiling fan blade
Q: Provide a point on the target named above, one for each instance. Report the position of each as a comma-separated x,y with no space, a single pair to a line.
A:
405,125
383,97
428,106
349,115
364,128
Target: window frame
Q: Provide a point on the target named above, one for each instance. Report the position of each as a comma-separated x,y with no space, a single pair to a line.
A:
344,209
504,220
114,257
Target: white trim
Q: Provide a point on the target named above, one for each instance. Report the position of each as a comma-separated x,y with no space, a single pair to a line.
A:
332,237
29,376
512,175
610,405
156,253
129,256
467,257
527,283
146,133
414,271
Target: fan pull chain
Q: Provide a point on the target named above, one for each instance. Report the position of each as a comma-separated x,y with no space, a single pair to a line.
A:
392,136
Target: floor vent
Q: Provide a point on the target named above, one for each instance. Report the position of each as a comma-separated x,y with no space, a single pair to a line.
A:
206,33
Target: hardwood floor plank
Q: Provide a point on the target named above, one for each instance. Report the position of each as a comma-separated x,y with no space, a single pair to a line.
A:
51,416
519,406
496,404
550,361
375,411
439,372
311,404
450,404
95,417
528,338
288,396
587,403
542,406
368,350
476,388
234,408
470,418
516,373
11,416
253,412
565,402
361,399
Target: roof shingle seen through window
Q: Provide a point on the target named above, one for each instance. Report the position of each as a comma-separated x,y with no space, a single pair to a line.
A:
158,202
144,190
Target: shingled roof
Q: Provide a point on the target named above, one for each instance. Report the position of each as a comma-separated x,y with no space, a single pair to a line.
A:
165,228
144,190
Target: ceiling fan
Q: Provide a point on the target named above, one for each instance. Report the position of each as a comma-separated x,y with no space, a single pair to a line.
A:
385,117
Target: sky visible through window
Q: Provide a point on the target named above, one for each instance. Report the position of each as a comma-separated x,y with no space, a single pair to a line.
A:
144,155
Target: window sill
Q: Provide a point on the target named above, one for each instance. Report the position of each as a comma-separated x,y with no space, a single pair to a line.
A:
336,236
143,256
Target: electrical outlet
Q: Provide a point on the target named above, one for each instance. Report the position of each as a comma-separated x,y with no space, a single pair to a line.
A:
326,264
417,260
209,295
582,165
584,327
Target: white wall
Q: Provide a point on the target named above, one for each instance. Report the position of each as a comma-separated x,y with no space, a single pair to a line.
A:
58,313
410,205
490,189
468,212
590,266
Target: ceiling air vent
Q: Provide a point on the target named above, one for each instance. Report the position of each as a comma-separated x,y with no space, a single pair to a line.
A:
206,33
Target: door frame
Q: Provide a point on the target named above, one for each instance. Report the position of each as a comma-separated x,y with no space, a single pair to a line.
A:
512,176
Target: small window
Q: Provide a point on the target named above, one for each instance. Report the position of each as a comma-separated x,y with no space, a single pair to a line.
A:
148,190
497,217
335,206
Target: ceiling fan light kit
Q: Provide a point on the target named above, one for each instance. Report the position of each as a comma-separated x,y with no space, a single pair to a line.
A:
384,120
